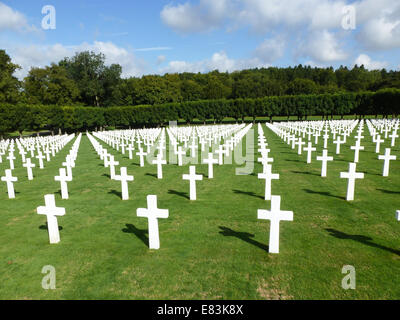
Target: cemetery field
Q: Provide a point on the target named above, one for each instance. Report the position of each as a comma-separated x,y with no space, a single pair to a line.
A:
211,248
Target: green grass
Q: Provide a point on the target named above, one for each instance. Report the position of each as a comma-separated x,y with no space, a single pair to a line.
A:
211,248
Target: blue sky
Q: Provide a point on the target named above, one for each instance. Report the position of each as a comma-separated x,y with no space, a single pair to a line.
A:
159,36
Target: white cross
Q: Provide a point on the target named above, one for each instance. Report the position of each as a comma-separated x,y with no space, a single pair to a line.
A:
29,165
387,158
152,213
357,149
193,148
300,144
338,143
47,152
309,150
378,142
112,163
180,153
275,215
326,137
130,148
11,158
124,178
192,177
159,162
40,157
220,153
398,215
351,175
63,178
210,161
51,211
141,155
324,158
394,135
67,164
9,179
268,176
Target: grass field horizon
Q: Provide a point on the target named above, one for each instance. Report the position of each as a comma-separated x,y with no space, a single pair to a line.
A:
211,248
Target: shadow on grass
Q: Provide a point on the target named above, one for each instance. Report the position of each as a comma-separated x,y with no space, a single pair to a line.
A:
245,236
107,175
307,172
45,227
136,164
249,193
360,238
324,193
388,191
292,160
117,193
178,193
151,175
141,234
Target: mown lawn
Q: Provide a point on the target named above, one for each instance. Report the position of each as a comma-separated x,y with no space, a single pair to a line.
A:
211,248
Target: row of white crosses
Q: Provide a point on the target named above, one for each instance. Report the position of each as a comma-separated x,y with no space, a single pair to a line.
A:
275,214
57,141
50,210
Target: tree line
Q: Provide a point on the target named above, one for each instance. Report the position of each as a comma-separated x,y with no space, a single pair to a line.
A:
85,80
20,117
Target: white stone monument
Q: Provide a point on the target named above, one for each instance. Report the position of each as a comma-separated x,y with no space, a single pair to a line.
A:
51,211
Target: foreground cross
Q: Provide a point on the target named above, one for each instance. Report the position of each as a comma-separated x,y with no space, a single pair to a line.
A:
9,179
192,177
29,165
352,175
152,213
309,150
124,178
275,215
51,211
387,158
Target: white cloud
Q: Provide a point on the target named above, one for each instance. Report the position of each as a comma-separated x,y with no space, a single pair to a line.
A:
270,50
11,19
205,16
160,59
381,34
219,61
41,56
369,64
322,46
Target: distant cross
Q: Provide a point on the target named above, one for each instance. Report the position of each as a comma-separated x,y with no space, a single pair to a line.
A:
29,165
378,142
152,213
309,150
326,137
275,215
159,162
357,149
51,211
192,177
63,178
394,135
22,153
112,163
338,143
193,147
47,152
180,154
268,176
130,148
11,158
124,178
324,158
40,157
351,175
68,165
387,157
300,144
220,153
210,161
9,179
141,155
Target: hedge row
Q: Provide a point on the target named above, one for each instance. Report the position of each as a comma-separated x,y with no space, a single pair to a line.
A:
33,118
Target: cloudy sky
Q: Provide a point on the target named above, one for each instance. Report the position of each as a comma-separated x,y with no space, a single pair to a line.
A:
160,36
